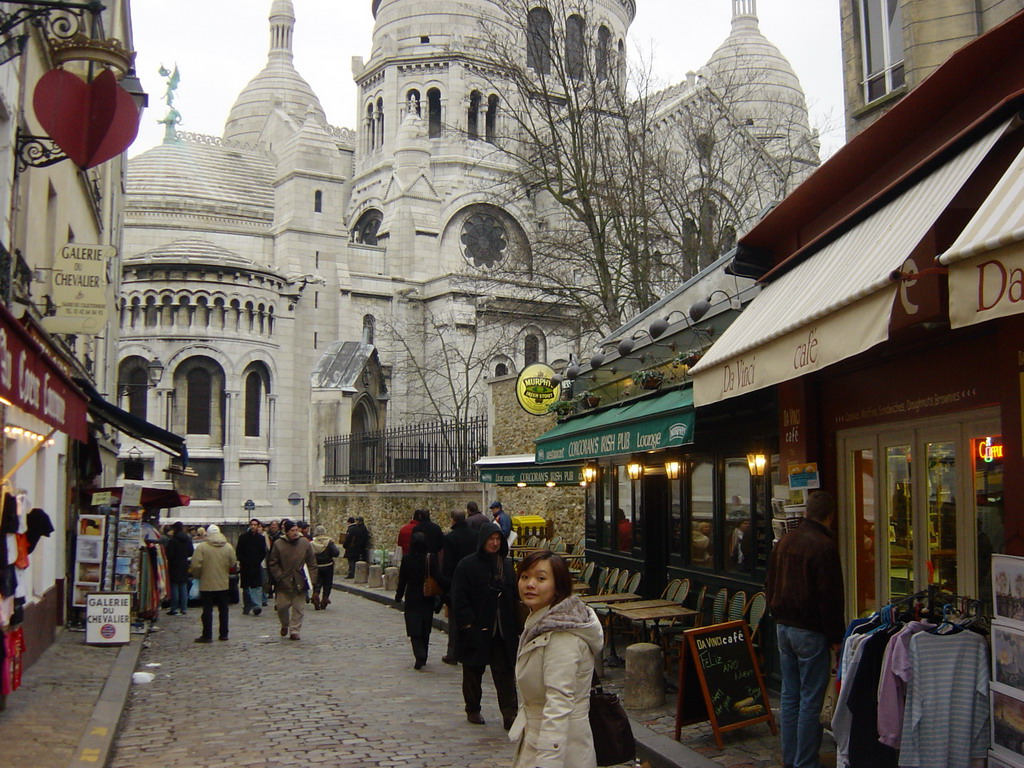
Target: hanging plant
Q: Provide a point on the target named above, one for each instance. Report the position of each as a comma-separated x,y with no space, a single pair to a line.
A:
563,407
687,359
590,399
648,379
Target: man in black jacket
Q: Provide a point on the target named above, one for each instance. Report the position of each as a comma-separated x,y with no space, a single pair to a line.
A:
484,610
805,593
357,543
431,530
459,542
251,551
179,550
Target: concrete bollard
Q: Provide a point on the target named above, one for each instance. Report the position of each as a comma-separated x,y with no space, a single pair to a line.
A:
375,579
645,682
362,569
390,580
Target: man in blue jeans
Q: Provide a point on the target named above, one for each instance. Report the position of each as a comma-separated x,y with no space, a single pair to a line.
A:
805,594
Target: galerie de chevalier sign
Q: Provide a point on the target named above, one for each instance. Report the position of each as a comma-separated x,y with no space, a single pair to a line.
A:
80,289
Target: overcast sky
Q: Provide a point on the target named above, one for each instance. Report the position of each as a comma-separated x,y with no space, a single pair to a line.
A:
219,45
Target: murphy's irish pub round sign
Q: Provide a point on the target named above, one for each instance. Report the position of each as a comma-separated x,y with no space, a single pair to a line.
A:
534,389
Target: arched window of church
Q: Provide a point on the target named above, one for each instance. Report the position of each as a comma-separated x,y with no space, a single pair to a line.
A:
621,61
412,101
380,122
199,391
473,121
531,349
575,49
501,370
369,328
253,402
492,118
371,134
136,386
434,112
366,227
604,44
538,40
318,201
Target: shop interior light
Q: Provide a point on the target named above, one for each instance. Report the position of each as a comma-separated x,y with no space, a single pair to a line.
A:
634,470
672,469
590,473
756,463
6,402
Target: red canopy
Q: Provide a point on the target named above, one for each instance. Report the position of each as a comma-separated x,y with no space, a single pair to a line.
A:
152,498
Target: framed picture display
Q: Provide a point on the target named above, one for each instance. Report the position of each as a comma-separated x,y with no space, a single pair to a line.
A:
1008,724
91,534
1008,590
1008,656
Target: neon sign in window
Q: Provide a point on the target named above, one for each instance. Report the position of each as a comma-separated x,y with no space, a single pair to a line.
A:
990,449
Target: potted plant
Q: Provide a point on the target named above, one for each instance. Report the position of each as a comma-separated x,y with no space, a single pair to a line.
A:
562,408
590,399
648,379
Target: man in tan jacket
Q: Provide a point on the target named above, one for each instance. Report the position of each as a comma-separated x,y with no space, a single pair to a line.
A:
291,583
211,564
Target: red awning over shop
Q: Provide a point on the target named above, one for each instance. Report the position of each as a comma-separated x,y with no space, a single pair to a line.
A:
31,380
152,498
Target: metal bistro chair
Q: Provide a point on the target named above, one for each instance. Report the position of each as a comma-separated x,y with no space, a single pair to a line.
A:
736,605
623,582
718,606
612,585
698,605
587,573
602,580
633,583
668,593
755,609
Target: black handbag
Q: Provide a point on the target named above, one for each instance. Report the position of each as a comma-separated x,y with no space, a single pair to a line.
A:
613,736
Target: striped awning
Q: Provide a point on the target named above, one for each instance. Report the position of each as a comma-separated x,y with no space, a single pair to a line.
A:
987,261
835,304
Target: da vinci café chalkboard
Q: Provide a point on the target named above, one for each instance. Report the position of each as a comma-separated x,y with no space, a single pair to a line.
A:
720,680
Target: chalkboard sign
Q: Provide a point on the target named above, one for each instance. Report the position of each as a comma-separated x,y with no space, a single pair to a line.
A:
721,658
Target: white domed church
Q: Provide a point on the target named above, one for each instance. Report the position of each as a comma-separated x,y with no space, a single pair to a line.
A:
298,281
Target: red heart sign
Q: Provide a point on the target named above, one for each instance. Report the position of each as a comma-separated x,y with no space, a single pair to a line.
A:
91,122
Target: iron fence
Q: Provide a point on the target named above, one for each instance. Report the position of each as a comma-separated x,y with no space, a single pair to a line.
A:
440,451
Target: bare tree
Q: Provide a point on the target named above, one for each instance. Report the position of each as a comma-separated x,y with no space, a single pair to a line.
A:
633,188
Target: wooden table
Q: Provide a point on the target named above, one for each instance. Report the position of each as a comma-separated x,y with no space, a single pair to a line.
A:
580,586
653,613
611,597
636,604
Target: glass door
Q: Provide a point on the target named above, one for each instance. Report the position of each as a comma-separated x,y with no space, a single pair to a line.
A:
921,505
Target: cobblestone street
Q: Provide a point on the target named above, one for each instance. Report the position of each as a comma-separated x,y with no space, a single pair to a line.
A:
345,695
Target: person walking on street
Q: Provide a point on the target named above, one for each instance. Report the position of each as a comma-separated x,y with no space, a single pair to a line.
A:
459,542
404,541
554,668
325,550
474,517
304,530
287,556
211,564
251,551
417,607
357,545
179,550
805,594
431,530
501,519
274,531
484,606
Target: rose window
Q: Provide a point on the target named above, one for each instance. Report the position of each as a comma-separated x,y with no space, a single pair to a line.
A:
484,240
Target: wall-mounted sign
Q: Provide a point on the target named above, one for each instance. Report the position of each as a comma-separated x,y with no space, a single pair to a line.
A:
80,289
532,475
534,389
804,476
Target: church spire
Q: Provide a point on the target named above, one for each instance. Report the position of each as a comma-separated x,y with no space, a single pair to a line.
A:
282,27
744,13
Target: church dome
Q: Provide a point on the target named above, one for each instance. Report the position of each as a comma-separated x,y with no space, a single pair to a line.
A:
278,86
755,78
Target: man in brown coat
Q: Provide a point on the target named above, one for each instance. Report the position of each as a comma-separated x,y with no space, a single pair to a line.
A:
287,557
211,564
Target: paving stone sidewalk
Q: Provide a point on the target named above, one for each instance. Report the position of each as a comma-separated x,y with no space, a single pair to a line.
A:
345,695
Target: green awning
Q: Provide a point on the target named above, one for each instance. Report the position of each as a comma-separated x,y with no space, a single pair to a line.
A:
648,425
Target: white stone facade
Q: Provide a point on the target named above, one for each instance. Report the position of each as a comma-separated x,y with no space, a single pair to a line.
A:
297,277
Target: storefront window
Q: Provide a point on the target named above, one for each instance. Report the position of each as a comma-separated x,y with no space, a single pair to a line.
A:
591,519
988,507
901,529
862,472
738,550
624,511
607,506
702,506
941,489
675,502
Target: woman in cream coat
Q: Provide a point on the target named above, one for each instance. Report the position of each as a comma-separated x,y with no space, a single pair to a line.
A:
554,669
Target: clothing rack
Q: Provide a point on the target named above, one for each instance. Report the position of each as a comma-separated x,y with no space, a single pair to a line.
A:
935,596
